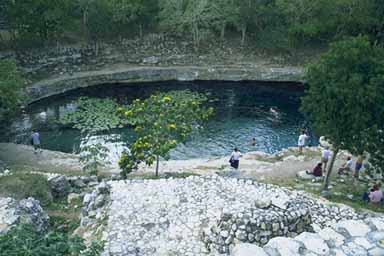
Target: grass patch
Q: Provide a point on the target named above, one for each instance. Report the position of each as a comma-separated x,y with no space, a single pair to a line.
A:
28,169
23,185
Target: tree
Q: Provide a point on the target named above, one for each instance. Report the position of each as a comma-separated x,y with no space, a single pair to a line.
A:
160,122
345,95
93,157
11,88
40,19
129,12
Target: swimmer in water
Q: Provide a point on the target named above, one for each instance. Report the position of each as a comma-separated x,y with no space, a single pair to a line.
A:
253,142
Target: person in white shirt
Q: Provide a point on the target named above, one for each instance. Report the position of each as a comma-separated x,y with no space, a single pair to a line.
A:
235,158
301,142
325,155
347,166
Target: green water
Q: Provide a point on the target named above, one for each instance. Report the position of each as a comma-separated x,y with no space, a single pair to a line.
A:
265,111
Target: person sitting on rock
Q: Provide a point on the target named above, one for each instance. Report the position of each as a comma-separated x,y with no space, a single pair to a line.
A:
347,166
317,171
375,195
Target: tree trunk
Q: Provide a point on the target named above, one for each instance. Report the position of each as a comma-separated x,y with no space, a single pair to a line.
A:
243,33
326,180
141,31
222,34
85,24
157,165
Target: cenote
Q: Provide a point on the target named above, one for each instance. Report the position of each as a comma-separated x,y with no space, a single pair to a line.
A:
267,111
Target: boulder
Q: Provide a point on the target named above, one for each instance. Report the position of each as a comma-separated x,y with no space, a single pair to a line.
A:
59,186
281,201
332,238
279,246
78,183
352,228
248,250
263,203
103,188
313,242
31,212
303,175
27,211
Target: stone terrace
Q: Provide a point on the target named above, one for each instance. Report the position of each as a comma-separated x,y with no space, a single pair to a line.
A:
172,217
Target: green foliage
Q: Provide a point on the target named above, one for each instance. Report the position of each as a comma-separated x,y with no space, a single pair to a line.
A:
131,12
324,20
40,20
277,21
93,156
11,88
345,94
160,122
23,240
22,185
97,18
94,115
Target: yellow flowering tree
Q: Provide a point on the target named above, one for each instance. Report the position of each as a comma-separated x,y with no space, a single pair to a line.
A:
161,122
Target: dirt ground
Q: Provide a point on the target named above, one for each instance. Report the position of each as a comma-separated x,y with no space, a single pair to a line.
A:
254,164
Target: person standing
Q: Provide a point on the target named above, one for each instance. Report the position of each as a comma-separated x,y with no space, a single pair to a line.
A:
325,155
35,139
358,166
301,142
235,158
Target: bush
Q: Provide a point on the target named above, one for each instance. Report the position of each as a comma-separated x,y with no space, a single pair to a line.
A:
23,240
22,185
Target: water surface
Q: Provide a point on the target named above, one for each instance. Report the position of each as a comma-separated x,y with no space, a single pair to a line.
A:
265,111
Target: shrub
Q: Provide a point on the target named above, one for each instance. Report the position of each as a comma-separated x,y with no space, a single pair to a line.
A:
23,240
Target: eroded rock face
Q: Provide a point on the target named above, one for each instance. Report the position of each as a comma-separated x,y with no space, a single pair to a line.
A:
27,211
65,83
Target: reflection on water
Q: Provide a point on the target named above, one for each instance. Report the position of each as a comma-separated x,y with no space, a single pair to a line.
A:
267,112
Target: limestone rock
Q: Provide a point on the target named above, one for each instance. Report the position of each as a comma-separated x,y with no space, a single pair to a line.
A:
103,188
27,211
284,246
59,186
314,243
352,228
245,249
30,212
376,223
304,176
263,203
332,238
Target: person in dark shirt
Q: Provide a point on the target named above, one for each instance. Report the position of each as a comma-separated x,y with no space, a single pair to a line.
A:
317,171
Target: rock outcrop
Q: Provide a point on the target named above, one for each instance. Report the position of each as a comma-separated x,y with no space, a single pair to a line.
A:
27,211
